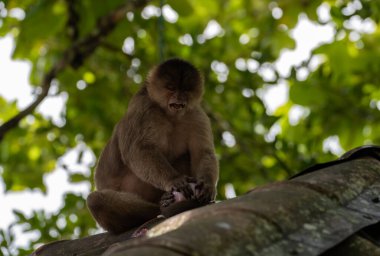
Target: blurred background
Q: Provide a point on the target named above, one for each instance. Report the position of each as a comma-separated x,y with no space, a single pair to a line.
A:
288,84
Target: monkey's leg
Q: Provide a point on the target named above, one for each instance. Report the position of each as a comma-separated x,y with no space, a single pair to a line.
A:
119,211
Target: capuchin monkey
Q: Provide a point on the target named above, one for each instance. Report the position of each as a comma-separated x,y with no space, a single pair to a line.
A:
161,152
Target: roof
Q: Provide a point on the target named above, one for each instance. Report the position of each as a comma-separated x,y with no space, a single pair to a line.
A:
329,209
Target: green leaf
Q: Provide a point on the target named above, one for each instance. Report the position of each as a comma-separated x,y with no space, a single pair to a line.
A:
183,7
78,177
309,95
7,109
44,19
20,216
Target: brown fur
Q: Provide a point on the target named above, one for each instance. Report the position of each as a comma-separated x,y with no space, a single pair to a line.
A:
154,148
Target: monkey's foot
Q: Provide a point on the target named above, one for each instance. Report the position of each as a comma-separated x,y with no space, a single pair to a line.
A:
181,206
167,199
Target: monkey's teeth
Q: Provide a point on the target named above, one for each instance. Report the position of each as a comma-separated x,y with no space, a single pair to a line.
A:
177,106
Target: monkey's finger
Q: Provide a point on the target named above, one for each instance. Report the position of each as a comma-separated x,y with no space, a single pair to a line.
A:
187,191
199,186
199,189
167,196
166,203
205,195
180,187
204,199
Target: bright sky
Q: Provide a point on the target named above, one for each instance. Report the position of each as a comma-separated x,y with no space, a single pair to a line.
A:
14,86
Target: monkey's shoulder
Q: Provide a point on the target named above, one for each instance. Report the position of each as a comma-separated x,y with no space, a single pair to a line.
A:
139,103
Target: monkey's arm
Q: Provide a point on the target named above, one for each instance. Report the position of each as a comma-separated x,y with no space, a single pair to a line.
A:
145,159
204,165
151,166
205,170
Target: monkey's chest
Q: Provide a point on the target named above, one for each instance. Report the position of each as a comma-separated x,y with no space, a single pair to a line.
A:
174,143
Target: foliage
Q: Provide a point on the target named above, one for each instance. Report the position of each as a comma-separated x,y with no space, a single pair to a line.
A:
340,97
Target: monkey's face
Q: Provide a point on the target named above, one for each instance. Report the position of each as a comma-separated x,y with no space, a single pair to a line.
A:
177,102
176,86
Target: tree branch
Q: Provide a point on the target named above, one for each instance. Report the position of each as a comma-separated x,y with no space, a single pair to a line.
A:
112,48
74,56
72,20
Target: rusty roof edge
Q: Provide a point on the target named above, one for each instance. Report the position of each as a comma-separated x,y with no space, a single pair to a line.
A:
330,228
372,151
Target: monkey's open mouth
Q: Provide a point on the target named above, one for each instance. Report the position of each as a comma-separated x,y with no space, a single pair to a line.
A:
176,106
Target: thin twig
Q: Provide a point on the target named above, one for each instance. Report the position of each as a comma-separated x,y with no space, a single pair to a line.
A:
72,23
110,47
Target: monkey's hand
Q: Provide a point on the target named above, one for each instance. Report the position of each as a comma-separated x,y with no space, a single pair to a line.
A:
184,185
204,192
175,196
182,189
167,199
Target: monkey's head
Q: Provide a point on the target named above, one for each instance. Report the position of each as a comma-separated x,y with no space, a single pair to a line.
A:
176,86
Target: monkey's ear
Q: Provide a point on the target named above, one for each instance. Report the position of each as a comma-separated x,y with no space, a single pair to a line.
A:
151,74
